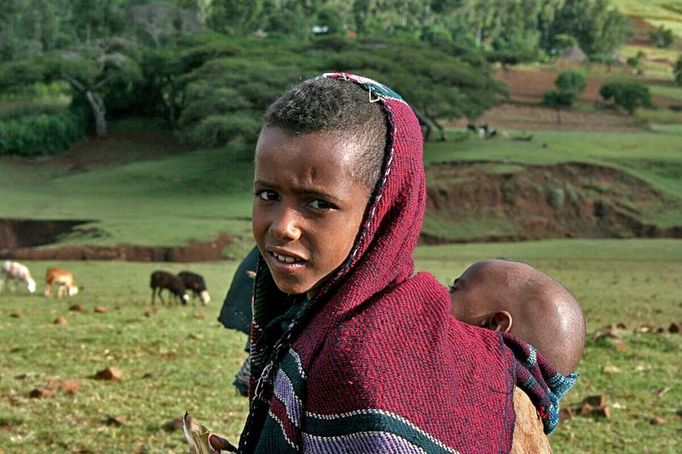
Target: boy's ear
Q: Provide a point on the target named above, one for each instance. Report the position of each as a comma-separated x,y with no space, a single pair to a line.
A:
500,321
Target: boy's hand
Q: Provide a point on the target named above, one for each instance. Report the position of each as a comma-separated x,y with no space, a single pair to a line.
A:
220,444
201,441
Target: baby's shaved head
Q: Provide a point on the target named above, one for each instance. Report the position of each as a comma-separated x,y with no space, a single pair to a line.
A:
542,311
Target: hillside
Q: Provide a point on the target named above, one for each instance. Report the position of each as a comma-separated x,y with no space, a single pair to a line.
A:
150,203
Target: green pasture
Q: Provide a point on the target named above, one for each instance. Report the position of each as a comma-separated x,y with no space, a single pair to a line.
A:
180,358
656,64
669,10
172,200
164,202
667,91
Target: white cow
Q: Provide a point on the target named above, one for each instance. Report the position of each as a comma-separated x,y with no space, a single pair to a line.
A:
15,271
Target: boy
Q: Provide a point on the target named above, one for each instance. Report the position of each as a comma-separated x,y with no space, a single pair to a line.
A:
350,350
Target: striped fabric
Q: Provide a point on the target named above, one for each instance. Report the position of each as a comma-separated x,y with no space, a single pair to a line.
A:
367,431
374,362
540,380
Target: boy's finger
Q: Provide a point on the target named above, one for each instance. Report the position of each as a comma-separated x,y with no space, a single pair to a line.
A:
219,443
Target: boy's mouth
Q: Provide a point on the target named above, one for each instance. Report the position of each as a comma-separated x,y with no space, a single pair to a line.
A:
285,259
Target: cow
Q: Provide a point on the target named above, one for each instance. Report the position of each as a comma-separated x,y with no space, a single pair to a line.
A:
161,280
13,272
195,282
64,280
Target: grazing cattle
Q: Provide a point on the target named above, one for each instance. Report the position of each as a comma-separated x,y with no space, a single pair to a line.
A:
15,271
161,280
195,282
482,131
64,280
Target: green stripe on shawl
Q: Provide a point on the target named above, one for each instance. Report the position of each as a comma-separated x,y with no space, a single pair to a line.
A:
274,441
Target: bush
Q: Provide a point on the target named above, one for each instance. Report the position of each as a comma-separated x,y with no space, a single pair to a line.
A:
218,130
628,95
19,109
661,37
678,70
571,80
558,98
556,198
42,134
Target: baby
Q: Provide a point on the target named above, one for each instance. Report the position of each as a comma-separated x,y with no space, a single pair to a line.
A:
513,297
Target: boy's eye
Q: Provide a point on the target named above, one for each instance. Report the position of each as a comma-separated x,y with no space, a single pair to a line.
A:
321,204
266,195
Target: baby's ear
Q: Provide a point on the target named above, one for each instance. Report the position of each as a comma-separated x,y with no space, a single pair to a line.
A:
500,321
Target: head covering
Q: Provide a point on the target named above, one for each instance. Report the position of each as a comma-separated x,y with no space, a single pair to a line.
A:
374,362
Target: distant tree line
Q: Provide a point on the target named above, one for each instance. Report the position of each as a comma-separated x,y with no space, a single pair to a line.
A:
508,30
213,88
210,67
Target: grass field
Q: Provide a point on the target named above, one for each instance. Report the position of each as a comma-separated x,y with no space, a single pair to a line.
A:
180,358
671,9
168,201
164,202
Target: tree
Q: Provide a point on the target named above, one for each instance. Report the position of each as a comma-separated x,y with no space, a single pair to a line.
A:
569,84
661,37
236,17
226,97
571,81
438,85
627,95
599,29
558,99
166,70
636,62
94,73
678,70
563,41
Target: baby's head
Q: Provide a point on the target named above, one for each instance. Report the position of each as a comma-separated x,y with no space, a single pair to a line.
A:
504,295
318,159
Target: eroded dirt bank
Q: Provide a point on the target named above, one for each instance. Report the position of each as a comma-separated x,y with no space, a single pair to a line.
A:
193,252
571,200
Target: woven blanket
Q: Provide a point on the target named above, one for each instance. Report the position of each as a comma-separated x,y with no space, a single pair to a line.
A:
374,362
540,380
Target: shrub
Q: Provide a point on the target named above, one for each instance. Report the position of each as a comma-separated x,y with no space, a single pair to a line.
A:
678,70
41,134
558,98
628,95
556,198
661,37
571,80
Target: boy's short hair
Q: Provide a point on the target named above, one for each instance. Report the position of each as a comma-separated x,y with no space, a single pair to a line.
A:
340,108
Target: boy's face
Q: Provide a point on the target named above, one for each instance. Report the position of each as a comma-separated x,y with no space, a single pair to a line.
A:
307,205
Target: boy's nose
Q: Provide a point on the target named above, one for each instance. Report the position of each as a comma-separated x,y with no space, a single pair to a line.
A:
285,225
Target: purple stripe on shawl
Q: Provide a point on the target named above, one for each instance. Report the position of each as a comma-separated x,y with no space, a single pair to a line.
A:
360,442
284,391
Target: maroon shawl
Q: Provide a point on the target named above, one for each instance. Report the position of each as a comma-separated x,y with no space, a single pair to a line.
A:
374,362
